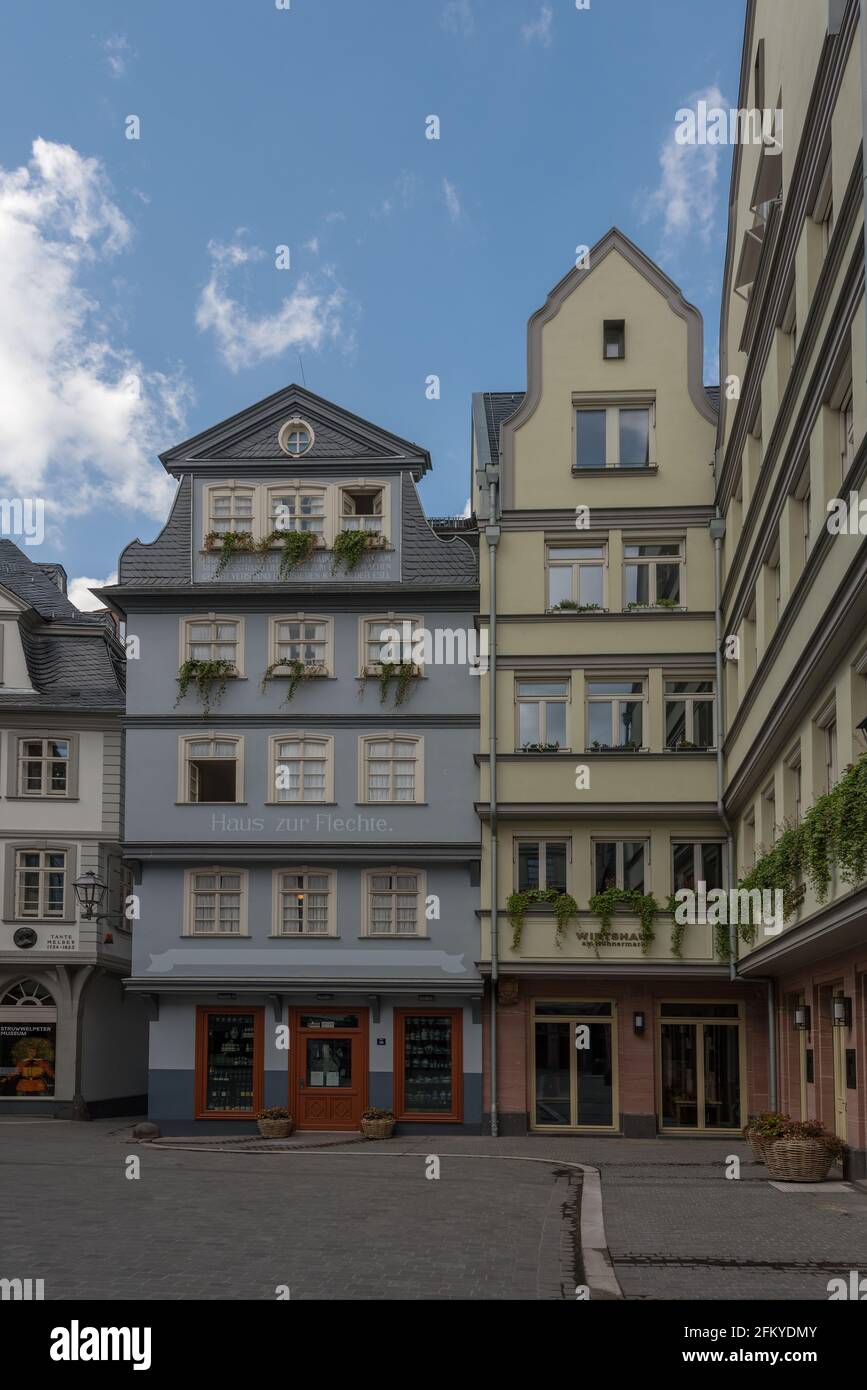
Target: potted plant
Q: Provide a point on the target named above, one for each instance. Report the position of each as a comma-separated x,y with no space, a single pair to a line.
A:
377,1124
275,1122
803,1152
763,1128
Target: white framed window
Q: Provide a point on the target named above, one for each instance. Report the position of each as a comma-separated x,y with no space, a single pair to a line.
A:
615,436
391,768
363,507
697,861
541,713
576,576
302,768
615,713
832,767
394,901
623,864
44,767
748,841
40,884
298,506
304,637
789,326
230,507
211,768
212,637
216,902
690,713
304,902
652,574
392,632
793,783
542,864
296,437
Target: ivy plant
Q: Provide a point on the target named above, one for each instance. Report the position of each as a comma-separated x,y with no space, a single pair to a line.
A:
230,543
297,671
209,679
348,549
564,905
644,905
400,671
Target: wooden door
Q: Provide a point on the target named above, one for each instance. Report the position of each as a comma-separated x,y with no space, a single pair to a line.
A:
330,1068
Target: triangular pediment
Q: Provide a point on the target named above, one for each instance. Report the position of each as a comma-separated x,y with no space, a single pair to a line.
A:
339,437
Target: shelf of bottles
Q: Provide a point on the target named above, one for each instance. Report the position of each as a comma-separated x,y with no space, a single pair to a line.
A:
427,1064
231,1041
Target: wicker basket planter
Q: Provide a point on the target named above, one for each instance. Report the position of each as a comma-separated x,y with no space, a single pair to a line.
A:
758,1147
798,1160
273,1125
377,1126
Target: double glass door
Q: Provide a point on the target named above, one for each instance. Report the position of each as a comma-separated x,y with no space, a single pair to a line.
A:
573,1065
700,1067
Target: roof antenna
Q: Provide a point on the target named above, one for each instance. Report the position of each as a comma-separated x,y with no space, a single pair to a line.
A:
301,365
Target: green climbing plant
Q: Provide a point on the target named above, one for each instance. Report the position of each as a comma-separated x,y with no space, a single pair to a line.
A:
208,678
295,548
230,543
644,905
295,671
348,549
564,905
401,671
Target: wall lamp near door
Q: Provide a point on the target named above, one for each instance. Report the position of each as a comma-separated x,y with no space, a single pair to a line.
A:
638,1022
841,1011
862,729
801,1018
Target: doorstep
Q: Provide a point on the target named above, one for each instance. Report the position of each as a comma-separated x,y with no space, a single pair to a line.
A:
254,1143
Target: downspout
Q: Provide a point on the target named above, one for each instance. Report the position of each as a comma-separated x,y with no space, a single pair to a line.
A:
492,537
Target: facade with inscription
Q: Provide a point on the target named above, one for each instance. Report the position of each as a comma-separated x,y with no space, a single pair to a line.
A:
302,720
71,1043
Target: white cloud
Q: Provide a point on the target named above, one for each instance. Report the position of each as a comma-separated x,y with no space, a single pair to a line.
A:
306,318
312,246
539,28
458,18
685,197
81,418
78,591
117,50
335,217
453,202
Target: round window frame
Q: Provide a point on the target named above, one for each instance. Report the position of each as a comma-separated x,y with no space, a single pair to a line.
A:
286,429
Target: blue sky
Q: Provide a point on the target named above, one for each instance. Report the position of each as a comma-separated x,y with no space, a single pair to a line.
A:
139,297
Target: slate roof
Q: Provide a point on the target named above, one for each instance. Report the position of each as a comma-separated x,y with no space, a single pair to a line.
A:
426,559
81,669
165,562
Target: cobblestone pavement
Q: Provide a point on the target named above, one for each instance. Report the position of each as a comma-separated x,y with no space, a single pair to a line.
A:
362,1221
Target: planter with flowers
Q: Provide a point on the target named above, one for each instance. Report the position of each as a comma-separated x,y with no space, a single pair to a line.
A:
377,1124
275,1123
803,1152
762,1128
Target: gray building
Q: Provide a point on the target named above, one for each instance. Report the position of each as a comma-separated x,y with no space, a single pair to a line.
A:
72,1044
302,721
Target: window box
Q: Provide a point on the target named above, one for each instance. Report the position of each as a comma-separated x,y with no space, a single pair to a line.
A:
616,748
541,748
567,606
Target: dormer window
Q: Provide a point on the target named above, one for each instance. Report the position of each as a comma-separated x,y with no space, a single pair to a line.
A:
361,510
614,339
295,438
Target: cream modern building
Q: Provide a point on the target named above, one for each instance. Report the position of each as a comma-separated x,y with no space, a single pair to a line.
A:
600,730
791,439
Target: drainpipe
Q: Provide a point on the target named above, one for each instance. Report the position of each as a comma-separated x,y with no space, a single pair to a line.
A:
492,536
717,531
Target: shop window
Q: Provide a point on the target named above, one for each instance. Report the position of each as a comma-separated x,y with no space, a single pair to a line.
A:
576,577
229,1062
573,1065
621,864
689,713
699,1066
28,1042
428,1081
542,714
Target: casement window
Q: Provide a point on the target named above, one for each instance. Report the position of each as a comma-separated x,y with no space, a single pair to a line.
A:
823,208
576,576
302,638
831,762
304,903
696,861
302,768
689,713
391,769
614,339
541,713
217,902
213,638
298,508
389,638
748,840
541,864
769,815
615,713
847,434
621,864
792,784
807,516
652,573
44,767
212,769
394,902
614,436
231,508
40,884
362,508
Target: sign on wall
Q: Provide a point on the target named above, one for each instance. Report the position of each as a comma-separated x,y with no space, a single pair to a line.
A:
27,1053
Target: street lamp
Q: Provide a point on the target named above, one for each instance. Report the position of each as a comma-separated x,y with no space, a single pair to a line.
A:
862,729
90,891
802,1018
841,1011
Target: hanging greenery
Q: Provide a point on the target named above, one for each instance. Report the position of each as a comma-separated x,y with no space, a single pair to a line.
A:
348,549
204,675
230,543
565,908
296,547
296,671
401,671
644,905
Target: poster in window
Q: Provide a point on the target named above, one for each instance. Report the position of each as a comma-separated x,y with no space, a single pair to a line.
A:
27,1060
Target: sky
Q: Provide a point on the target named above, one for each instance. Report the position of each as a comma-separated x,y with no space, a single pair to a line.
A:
141,299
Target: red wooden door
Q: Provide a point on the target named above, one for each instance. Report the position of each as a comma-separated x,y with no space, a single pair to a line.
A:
330,1068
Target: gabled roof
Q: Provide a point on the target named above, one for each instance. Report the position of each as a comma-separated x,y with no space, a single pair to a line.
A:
31,582
339,438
